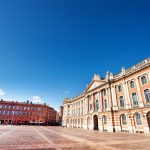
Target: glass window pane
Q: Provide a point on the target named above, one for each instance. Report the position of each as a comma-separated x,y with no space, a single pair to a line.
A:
132,84
121,101
138,119
123,119
134,98
105,104
143,79
147,95
120,88
97,105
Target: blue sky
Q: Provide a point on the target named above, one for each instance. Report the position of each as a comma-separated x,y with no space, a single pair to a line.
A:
50,49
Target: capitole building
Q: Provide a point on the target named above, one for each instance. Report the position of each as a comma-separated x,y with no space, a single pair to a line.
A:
118,103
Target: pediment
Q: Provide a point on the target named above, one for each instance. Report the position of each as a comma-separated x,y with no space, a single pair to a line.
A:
94,84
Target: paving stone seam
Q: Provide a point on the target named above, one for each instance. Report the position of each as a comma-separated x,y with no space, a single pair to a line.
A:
5,133
80,140
44,137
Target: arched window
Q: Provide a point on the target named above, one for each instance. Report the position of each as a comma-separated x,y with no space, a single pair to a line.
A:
134,98
132,84
147,95
143,80
119,88
138,119
121,101
90,106
105,104
105,119
123,119
97,104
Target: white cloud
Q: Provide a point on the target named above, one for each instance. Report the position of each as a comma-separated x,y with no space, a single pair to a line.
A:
2,92
67,92
36,99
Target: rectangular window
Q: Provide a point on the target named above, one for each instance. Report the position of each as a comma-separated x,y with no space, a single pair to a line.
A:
134,97
131,84
4,112
82,110
97,105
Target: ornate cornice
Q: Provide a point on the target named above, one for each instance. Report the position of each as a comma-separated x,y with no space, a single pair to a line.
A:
110,79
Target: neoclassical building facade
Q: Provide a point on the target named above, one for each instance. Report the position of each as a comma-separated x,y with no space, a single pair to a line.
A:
116,103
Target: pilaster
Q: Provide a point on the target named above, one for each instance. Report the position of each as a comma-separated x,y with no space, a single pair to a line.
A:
99,101
127,97
139,92
114,100
109,99
148,74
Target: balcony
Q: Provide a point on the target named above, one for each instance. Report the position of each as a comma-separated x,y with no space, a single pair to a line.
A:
147,104
122,107
135,106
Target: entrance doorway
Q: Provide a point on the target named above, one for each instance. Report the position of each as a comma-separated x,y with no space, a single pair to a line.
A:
148,119
95,122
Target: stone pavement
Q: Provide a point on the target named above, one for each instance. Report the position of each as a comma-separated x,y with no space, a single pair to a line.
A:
58,138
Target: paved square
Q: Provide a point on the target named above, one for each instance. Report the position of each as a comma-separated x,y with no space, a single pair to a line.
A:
58,138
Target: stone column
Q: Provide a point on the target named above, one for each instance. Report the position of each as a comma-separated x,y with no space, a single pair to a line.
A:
117,122
139,93
100,124
127,97
83,106
145,122
86,105
99,101
109,122
114,100
92,101
148,74
108,99
131,126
